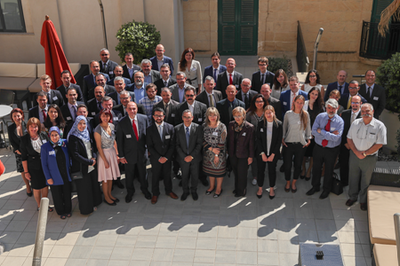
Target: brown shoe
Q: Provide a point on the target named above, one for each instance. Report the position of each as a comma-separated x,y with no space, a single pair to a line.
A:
173,195
350,202
154,199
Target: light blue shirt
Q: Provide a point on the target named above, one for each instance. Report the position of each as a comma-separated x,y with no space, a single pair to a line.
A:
337,124
181,94
147,79
139,93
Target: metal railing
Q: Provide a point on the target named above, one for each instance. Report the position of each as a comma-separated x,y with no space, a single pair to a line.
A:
301,52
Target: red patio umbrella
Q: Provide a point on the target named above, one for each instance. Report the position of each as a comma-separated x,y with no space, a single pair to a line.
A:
55,58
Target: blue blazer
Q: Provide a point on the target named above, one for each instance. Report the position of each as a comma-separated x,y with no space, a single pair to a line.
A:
208,71
285,100
334,86
49,163
167,60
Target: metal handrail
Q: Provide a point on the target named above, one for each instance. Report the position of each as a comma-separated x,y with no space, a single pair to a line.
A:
321,30
40,232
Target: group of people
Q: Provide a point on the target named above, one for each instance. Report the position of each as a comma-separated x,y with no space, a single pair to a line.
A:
193,127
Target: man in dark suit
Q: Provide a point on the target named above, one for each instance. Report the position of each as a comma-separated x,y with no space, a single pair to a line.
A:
94,105
229,77
66,79
131,135
101,81
53,96
118,73
197,108
126,97
341,85
69,110
107,103
263,76
106,65
189,141
346,99
348,117
40,110
161,144
160,59
287,97
266,92
169,106
245,94
129,68
166,79
373,93
209,96
150,76
215,68
226,106
119,85
178,89
89,81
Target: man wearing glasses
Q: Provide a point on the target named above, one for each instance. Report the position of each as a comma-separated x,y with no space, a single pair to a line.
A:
346,99
263,76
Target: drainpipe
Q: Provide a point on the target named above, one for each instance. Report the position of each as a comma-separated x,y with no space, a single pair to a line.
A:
321,30
103,20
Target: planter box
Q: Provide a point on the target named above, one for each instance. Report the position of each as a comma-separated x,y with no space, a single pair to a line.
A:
392,124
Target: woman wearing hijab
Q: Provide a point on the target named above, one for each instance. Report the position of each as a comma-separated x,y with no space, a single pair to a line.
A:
83,159
55,163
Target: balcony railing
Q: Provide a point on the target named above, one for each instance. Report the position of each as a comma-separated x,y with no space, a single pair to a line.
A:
375,46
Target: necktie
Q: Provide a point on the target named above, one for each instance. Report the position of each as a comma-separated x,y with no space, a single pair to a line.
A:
160,131
215,75
349,103
166,109
327,128
211,100
166,83
230,79
99,106
262,78
246,100
187,140
369,93
353,117
135,130
74,114
340,89
293,96
44,115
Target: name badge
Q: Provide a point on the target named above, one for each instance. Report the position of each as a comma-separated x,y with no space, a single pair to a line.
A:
244,134
93,113
128,136
110,72
55,98
69,118
172,115
215,134
167,136
44,141
115,118
52,152
261,130
200,119
237,86
333,129
284,103
376,98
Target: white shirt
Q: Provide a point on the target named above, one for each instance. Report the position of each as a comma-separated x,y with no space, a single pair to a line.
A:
136,123
233,75
269,136
191,107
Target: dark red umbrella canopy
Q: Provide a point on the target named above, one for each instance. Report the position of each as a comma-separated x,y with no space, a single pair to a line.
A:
55,58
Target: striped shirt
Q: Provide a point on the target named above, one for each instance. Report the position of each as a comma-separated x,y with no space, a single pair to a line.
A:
148,105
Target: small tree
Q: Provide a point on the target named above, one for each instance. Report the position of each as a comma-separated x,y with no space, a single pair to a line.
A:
138,38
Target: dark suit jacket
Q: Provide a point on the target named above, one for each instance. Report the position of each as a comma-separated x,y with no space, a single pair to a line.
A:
78,155
114,96
14,139
209,71
175,91
117,116
345,98
34,112
256,80
334,86
277,106
63,92
126,80
346,116
167,60
285,100
55,98
128,147
107,88
158,147
203,98
155,75
276,139
120,109
126,72
88,84
29,154
225,112
378,98
244,143
110,68
251,95
199,111
66,113
92,107
172,112
222,82
160,84
195,142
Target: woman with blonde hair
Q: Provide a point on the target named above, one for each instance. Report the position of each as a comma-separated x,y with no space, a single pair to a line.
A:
214,152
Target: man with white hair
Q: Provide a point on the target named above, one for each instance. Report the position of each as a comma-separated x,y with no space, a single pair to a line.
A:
365,137
150,75
327,131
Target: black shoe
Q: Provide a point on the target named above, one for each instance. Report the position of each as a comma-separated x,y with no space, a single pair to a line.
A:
282,169
234,191
128,198
116,200
147,195
217,195
350,202
293,190
307,178
30,194
271,197
259,196
195,196
119,184
209,192
363,206
204,182
312,191
324,194
287,189
111,204
184,196
302,176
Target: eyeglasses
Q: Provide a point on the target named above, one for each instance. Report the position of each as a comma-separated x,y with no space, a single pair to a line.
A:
312,76
104,54
259,101
190,95
355,103
186,117
237,116
158,116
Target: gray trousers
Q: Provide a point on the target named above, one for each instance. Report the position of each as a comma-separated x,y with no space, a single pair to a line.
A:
360,173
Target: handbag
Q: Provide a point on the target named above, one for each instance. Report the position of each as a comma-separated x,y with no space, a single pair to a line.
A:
337,187
76,176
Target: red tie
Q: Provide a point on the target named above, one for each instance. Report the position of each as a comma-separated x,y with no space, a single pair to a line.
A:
327,128
135,130
230,79
44,115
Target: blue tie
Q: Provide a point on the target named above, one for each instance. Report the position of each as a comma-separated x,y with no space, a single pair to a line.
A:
187,140
215,75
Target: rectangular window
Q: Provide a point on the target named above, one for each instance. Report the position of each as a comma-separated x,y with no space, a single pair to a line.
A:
11,16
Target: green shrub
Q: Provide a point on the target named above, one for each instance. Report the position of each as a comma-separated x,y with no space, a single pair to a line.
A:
276,63
388,76
138,38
